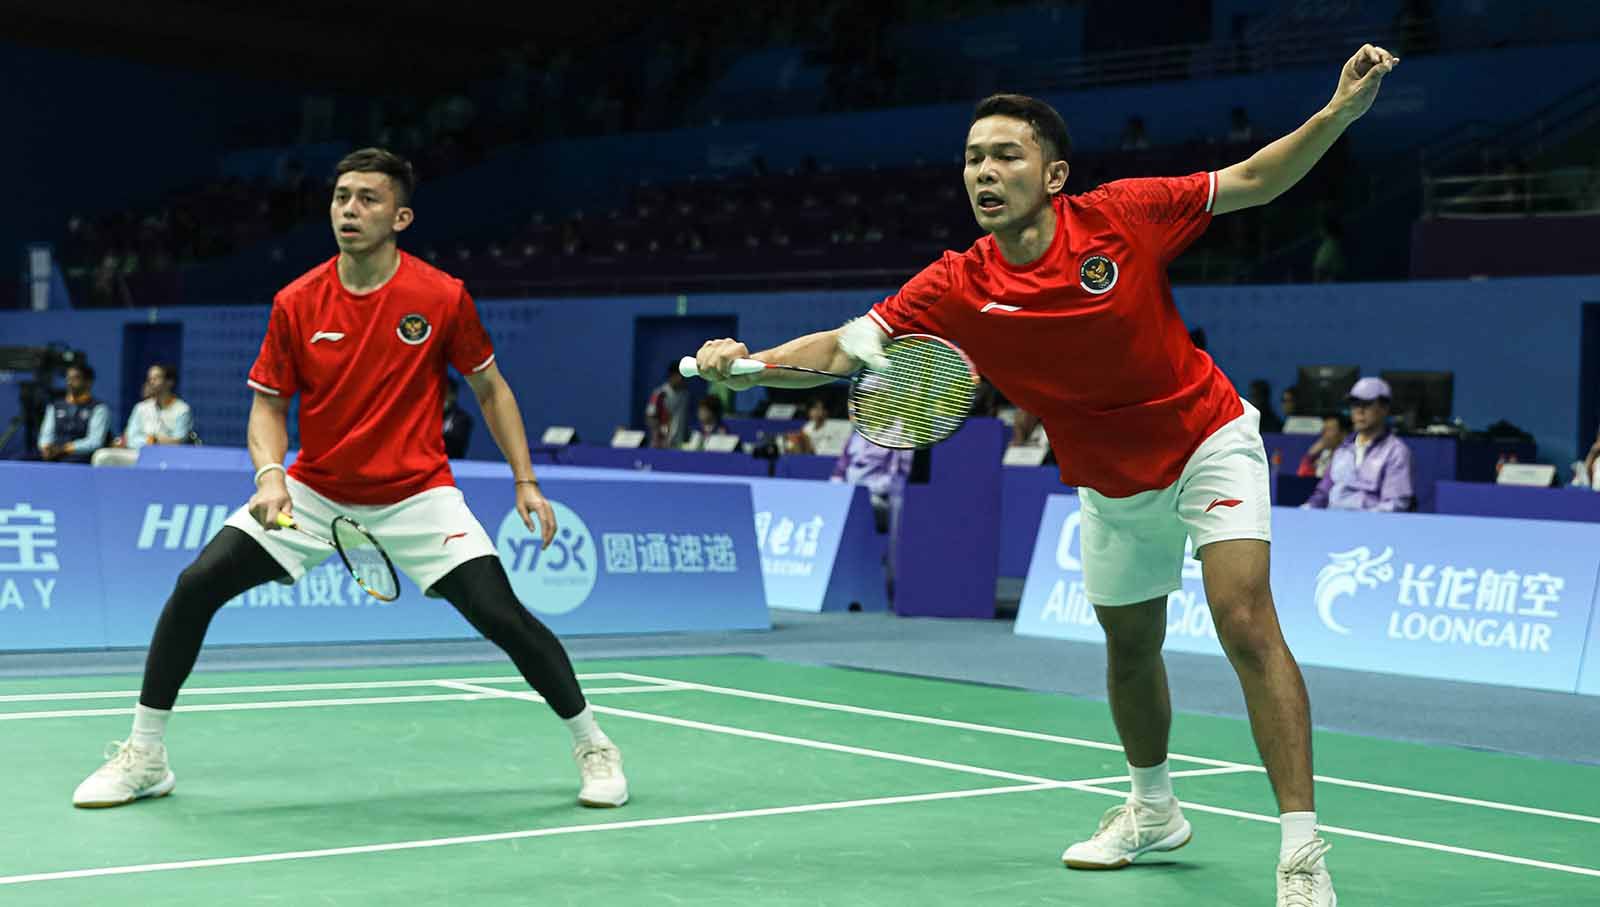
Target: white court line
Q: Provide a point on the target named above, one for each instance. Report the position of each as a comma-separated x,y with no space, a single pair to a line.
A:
284,688
315,703
920,719
1085,786
1387,839
521,835
772,738
1101,745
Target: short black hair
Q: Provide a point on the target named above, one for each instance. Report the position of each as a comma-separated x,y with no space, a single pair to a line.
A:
1048,126
386,162
714,404
169,371
85,368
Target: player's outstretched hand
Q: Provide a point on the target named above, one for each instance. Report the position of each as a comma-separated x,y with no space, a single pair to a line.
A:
717,356
1359,81
531,503
271,499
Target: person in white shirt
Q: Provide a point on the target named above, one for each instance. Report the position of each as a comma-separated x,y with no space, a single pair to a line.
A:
823,435
161,417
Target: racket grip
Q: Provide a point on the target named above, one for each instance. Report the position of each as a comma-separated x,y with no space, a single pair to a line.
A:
688,368
286,521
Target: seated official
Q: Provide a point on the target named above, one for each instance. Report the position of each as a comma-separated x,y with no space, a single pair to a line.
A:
1371,470
75,426
709,414
162,417
1316,461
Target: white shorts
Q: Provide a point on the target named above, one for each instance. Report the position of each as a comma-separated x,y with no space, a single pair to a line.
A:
1133,547
427,535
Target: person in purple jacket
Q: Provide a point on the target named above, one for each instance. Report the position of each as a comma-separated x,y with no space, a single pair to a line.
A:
1371,470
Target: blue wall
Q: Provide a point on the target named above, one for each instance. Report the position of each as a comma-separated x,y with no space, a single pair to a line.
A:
93,135
1512,343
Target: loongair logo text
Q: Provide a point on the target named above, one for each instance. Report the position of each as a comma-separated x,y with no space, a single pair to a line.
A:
788,548
1480,607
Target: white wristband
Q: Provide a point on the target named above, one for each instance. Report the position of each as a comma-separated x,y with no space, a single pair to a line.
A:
268,468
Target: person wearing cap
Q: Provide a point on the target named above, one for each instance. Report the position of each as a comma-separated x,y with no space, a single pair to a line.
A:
1371,470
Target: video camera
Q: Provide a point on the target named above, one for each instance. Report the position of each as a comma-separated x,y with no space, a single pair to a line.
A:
35,369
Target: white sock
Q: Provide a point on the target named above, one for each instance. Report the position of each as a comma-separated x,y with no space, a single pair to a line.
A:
149,725
1298,830
584,729
1151,786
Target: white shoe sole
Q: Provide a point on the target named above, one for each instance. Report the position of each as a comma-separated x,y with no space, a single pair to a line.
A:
1171,842
602,804
160,789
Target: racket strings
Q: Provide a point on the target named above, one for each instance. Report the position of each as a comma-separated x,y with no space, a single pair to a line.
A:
922,397
366,560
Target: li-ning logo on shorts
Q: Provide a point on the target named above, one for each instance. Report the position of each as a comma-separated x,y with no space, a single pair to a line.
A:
414,329
1097,274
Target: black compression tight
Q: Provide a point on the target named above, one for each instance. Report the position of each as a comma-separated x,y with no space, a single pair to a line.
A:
482,592
231,563
234,563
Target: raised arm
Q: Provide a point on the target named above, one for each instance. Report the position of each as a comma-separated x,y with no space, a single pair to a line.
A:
1271,171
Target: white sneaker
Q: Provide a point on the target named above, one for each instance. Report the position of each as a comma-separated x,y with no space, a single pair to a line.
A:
1128,831
600,765
131,773
1303,879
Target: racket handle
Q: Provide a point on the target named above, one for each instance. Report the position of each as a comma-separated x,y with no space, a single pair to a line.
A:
689,369
286,521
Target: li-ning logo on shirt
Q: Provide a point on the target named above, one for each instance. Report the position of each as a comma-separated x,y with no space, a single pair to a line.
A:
330,336
1097,274
413,329
997,306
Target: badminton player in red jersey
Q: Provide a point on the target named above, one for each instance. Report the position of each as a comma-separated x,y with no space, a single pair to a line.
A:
1066,308
364,338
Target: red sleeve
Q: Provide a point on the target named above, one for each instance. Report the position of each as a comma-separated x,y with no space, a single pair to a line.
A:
1166,214
274,372
910,311
470,350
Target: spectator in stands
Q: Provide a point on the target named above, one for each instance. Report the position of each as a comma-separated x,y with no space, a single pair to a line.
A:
881,470
1133,135
162,417
709,414
666,415
457,422
1261,399
1239,128
1288,403
1328,263
75,426
1027,430
1315,463
1589,461
1371,470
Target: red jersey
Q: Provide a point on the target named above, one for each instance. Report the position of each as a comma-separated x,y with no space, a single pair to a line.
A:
1087,337
370,370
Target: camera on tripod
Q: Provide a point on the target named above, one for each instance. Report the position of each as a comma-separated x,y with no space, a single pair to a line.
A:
34,369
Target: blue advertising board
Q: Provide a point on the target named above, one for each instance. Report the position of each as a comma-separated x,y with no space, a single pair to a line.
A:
1461,598
819,548
89,556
